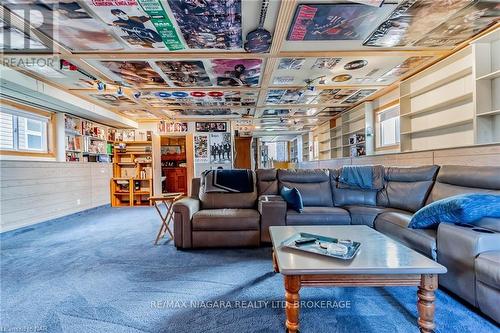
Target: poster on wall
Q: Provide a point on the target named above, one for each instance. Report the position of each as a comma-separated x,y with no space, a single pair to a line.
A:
140,23
68,23
412,20
335,21
209,24
237,72
201,148
165,126
185,73
220,148
136,73
212,126
463,25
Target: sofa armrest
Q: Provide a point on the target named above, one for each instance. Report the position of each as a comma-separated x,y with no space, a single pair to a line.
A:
184,210
457,248
272,209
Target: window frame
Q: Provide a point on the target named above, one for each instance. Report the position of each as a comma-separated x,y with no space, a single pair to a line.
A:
388,107
37,113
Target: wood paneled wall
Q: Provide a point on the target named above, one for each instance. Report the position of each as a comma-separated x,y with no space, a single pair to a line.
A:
33,192
472,156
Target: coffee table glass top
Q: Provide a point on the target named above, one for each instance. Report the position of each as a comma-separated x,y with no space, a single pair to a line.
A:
378,253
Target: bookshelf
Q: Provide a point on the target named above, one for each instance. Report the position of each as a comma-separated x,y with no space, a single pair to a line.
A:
305,147
353,132
324,141
132,182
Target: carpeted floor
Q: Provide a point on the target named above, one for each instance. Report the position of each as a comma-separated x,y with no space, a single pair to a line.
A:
99,272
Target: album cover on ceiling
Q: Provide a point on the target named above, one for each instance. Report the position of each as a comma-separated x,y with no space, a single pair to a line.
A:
463,25
407,65
335,21
214,24
291,63
135,73
113,100
325,63
275,113
139,26
412,20
237,72
68,23
358,96
184,73
325,96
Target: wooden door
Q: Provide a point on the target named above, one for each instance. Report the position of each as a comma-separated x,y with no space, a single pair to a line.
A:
242,153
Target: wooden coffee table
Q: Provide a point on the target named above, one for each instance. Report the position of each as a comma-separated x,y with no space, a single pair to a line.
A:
380,261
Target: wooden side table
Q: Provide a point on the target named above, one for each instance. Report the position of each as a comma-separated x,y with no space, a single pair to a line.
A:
168,200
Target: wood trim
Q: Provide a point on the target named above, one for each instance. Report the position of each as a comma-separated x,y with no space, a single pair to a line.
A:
386,106
391,147
24,107
25,153
360,280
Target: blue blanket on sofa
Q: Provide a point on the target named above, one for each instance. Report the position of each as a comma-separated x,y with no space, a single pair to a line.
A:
360,176
229,181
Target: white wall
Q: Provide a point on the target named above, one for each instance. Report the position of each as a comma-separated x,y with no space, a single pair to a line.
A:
33,191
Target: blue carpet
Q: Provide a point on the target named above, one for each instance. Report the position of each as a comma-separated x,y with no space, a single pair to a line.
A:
99,272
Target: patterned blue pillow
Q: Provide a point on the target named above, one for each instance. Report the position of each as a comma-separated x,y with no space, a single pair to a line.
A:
464,208
293,198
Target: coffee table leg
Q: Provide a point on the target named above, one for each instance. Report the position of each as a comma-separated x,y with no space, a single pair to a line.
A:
292,287
425,304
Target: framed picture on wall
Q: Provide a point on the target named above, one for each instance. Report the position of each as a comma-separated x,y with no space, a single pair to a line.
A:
213,126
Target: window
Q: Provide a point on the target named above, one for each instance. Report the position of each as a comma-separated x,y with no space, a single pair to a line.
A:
23,131
388,127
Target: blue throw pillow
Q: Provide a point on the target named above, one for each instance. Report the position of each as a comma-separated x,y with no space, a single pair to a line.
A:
293,198
464,208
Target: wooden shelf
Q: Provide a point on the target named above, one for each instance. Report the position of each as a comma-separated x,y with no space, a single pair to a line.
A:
439,83
435,128
490,76
354,131
134,142
441,105
121,193
361,116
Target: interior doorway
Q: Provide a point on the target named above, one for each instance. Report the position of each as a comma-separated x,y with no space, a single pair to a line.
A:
174,164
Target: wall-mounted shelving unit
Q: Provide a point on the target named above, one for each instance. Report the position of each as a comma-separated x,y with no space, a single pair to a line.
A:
305,147
324,141
132,182
353,132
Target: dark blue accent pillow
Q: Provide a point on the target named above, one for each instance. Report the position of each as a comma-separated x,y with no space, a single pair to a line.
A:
464,208
292,198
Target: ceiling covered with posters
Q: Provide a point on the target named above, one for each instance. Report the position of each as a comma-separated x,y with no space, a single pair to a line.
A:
204,59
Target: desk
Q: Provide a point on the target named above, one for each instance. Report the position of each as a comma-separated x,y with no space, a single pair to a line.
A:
168,200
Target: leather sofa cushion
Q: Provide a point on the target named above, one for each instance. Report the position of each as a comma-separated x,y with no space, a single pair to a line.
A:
395,225
366,215
407,188
227,200
318,216
313,185
226,219
267,181
485,177
346,196
487,267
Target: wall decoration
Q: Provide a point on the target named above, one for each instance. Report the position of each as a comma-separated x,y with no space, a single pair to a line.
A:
409,64
220,148
18,39
342,94
334,21
291,63
332,111
325,63
412,20
113,100
201,148
213,126
136,73
358,96
237,72
463,25
356,64
325,96
140,23
275,113
68,23
209,24
172,127
200,98
185,73
287,79
341,78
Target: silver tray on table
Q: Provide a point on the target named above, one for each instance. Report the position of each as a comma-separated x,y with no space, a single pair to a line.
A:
352,248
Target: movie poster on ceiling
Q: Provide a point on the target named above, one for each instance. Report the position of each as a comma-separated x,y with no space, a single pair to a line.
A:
184,73
407,65
220,148
135,73
412,20
214,24
140,23
463,25
68,23
201,148
236,72
335,21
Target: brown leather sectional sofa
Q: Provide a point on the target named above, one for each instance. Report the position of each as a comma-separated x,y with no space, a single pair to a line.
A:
471,253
